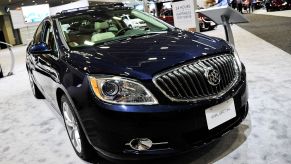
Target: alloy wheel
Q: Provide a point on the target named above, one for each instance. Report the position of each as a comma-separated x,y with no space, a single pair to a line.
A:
72,127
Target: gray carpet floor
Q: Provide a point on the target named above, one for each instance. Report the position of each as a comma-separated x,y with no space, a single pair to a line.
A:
273,29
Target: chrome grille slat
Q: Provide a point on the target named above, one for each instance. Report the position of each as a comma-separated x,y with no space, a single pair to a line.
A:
192,74
173,85
232,70
213,65
165,84
197,77
201,75
190,82
192,85
228,69
189,90
220,85
180,86
224,67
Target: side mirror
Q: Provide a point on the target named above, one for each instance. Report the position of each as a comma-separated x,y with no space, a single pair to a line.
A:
40,48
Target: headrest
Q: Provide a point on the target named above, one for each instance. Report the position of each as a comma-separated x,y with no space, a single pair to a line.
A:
101,25
102,36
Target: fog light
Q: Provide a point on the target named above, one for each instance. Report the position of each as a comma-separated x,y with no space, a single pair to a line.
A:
141,144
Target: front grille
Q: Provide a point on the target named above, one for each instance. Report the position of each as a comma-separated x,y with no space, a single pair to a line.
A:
202,79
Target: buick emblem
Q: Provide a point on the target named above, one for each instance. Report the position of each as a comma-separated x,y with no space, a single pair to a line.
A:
213,76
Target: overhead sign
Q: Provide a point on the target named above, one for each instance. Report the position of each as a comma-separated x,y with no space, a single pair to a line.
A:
184,14
35,13
18,20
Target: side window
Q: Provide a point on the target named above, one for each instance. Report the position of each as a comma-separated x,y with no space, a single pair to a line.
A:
49,39
38,33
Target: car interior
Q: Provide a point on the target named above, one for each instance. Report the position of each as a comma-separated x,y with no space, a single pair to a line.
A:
87,30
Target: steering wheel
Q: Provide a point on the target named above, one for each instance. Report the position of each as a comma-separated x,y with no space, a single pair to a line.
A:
122,30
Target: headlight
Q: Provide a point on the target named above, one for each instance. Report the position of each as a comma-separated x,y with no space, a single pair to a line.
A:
118,90
236,57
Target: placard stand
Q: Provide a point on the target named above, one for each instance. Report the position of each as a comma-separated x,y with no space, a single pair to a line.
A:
225,16
9,47
1,73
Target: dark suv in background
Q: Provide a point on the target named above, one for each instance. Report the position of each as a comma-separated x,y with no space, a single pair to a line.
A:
135,92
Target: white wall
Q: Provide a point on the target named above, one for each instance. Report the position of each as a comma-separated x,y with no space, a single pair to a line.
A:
27,29
26,33
78,4
18,20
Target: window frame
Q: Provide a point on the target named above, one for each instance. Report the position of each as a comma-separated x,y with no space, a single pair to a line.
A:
46,23
40,27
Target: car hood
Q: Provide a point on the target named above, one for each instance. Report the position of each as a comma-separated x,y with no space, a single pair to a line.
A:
143,57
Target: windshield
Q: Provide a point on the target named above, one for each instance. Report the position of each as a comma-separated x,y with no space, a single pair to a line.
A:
89,29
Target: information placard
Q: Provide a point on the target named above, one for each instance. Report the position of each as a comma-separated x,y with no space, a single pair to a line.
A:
184,14
36,13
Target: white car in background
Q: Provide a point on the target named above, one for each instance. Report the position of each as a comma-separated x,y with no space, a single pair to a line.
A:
133,23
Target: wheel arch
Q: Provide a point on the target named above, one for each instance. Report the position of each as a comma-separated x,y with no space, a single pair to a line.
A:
59,94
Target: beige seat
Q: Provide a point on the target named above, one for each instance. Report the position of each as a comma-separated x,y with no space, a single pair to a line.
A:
101,32
102,36
101,26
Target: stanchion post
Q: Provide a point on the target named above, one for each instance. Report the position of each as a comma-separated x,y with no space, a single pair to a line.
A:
1,73
225,16
12,60
227,29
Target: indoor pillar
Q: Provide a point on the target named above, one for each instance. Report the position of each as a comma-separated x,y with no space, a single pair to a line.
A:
8,30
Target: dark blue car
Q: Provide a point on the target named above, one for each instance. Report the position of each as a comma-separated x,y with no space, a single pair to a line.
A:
128,90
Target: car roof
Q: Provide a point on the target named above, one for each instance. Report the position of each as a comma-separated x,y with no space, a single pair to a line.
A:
90,9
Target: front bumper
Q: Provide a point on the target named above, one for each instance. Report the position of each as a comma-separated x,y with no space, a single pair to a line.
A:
183,127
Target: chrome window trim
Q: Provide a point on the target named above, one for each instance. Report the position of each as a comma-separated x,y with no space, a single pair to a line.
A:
56,43
50,21
61,34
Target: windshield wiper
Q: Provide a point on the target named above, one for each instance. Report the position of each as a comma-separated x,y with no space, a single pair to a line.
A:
147,33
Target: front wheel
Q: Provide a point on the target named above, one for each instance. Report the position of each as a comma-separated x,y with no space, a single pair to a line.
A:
77,137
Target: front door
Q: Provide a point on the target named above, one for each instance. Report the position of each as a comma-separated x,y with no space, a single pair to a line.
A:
48,64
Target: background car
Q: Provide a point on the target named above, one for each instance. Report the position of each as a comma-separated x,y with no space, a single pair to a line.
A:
167,16
133,23
205,23
274,5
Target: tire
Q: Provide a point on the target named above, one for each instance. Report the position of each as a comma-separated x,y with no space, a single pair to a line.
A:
76,134
35,90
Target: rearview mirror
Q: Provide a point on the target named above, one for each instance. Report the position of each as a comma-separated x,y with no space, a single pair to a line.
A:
40,48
